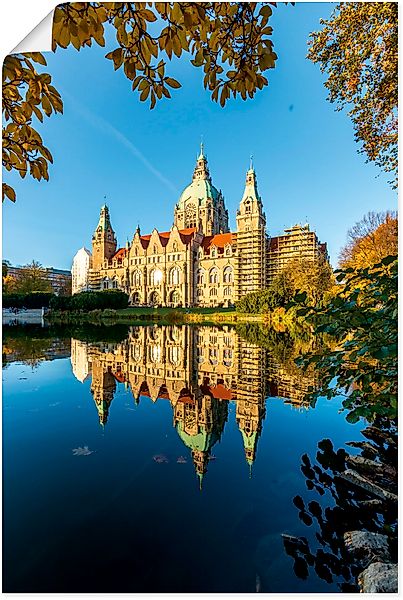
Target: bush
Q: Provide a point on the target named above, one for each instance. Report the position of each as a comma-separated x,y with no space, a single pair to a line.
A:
88,301
30,300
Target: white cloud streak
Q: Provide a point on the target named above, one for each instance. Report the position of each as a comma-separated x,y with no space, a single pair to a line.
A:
100,123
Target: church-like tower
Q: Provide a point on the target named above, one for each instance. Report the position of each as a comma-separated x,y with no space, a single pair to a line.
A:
201,205
103,241
251,239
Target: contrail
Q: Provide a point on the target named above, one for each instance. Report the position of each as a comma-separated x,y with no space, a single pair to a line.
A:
101,123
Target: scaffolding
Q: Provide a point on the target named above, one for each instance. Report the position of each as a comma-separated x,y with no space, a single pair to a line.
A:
297,243
250,266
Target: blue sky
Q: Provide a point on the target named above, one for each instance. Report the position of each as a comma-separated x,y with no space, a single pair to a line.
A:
108,143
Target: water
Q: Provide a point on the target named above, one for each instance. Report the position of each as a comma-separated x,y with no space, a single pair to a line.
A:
163,462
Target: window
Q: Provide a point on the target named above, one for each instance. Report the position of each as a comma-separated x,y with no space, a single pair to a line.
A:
228,275
200,276
155,250
213,277
227,291
213,292
247,206
228,250
174,276
190,216
136,278
155,277
175,247
213,252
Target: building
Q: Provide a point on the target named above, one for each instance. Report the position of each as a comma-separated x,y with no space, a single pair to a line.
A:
59,279
297,243
82,263
199,261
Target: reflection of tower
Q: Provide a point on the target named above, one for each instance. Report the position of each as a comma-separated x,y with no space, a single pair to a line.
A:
200,423
79,360
103,388
251,394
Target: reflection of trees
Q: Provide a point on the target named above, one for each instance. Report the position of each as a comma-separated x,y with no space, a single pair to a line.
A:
355,484
284,348
31,350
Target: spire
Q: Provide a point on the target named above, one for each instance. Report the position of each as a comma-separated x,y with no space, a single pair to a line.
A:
200,476
251,191
104,222
201,169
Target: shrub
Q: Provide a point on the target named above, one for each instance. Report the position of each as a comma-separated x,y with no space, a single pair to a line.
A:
88,301
30,300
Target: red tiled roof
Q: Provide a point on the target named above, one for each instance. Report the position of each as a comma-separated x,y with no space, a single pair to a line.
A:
185,235
119,377
220,240
220,392
121,253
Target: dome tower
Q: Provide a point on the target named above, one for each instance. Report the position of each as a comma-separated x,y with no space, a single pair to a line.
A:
201,205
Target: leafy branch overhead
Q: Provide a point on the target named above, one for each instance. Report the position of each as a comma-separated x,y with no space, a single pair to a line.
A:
229,40
26,93
357,50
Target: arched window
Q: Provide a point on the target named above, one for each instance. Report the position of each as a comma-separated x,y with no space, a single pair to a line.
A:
155,277
175,247
174,355
175,297
247,206
227,250
213,292
155,249
213,252
105,283
174,276
200,276
228,275
213,277
155,353
190,216
136,279
136,252
114,283
227,291
136,298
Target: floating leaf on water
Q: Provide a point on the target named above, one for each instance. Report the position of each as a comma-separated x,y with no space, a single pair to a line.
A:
85,451
160,458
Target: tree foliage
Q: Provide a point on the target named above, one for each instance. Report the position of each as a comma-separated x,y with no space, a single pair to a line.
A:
26,93
28,300
31,278
230,41
314,278
370,240
362,319
357,49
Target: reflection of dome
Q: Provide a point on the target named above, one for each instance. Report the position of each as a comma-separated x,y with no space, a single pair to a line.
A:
202,441
198,192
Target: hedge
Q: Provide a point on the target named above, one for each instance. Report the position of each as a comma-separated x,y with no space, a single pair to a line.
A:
30,300
91,301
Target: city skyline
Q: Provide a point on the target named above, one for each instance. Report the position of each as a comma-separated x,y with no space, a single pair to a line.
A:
108,143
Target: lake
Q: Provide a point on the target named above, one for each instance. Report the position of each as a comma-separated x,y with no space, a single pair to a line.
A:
157,459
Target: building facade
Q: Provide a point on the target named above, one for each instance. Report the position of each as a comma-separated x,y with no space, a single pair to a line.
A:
82,263
199,261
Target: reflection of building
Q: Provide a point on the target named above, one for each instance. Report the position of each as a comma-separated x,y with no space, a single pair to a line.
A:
80,269
79,360
292,387
199,370
198,262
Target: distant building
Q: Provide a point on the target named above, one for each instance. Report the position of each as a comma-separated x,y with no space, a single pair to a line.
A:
59,279
297,243
82,263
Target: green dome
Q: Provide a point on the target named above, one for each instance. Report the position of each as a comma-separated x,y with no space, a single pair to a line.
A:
198,192
202,441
